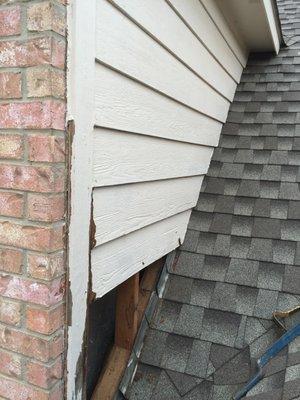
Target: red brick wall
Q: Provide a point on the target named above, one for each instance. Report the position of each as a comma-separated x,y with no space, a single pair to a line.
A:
32,206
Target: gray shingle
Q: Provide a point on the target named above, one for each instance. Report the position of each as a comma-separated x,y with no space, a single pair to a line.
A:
206,202
224,297
241,226
200,221
222,245
220,327
215,268
254,329
261,208
266,228
245,300
269,190
215,185
221,223
270,276
231,187
188,264
283,252
165,389
290,230
214,168
189,322
153,347
279,157
225,204
244,156
191,240
176,352
279,209
252,171
271,143
237,370
271,172
183,382
257,143
230,170
261,249
199,358
144,382
206,243
294,210
266,303
239,247
289,191
242,272
249,188
202,292
289,173
179,288
202,391
166,315
244,206
291,281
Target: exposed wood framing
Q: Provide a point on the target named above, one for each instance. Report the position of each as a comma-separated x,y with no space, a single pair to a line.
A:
126,312
132,299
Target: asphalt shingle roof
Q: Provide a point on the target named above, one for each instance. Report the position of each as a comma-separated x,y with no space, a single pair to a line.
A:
241,257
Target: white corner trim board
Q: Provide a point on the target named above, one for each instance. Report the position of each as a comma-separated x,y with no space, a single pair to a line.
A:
81,71
116,261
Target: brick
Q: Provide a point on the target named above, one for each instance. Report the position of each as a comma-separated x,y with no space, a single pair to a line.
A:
20,53
31,237
11,260
45,81
33,52
44,148
45,208
10,21
45,267
32,346
45,16
10,364
58,55
27,290
10,85
37,179
48,114
11,204
11,146
44,376
45,321
12,390
10,312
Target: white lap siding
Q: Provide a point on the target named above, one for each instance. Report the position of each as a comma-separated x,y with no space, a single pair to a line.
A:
165,74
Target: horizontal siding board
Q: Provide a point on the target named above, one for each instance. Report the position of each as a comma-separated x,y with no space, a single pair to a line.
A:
119,210
197,18
237,47
157,18
117,260
121,103
139,56
120,158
